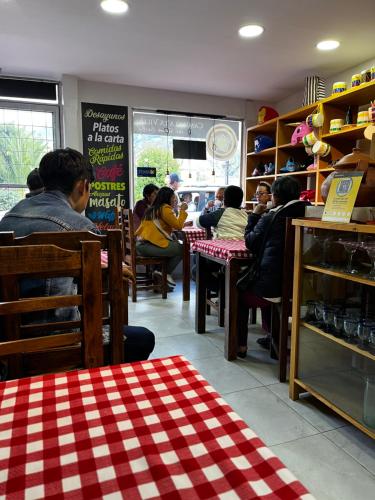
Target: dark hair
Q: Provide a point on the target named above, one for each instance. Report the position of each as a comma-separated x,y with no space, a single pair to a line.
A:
286,189
149,189
267,185
33,181
233,196
163,197
62,168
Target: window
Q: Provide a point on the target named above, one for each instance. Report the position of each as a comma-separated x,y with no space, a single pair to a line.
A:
153,135
27,132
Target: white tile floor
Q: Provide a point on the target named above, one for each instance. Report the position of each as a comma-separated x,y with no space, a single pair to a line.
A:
332,459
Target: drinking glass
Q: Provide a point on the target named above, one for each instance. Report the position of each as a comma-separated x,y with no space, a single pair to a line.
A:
351,329
323,241
338,323
350,248
365,328
370,249
371,342
328,315
310,312
369,402
319,313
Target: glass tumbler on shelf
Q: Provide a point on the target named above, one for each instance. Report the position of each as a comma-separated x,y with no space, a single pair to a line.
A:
319,313
365,328
350,248
370,249
351,329
338,323
328,315
369,402
323,241
310,311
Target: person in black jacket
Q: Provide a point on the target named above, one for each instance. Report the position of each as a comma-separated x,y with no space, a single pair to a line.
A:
267,288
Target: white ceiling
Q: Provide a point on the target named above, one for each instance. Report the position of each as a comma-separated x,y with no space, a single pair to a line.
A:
187,45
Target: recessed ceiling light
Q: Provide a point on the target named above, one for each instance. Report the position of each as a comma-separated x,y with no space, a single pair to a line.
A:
250,31
328,45
114,6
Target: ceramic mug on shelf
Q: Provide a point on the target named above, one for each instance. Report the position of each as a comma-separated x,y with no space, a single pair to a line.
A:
362,118
315,120
338,87
356,80
321,148
309,139
336,124
366,75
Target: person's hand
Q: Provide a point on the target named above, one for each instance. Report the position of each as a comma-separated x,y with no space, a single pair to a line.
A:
260,209
183,206
210,204
189,223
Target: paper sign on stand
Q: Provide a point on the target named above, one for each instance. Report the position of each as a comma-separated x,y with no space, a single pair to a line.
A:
341,197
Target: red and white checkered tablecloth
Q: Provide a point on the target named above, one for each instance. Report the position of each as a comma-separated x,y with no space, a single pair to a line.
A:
223,249
153,429
194,234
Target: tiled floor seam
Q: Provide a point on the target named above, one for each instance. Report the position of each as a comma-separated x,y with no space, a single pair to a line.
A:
351,456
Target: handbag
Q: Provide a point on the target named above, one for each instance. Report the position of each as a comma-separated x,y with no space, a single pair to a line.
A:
169,237
252,273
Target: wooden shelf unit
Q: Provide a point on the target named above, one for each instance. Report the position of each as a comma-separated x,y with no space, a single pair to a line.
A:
328,367
341,142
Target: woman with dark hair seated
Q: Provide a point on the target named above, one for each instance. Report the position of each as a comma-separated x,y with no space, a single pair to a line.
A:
155,231
149,194
267,231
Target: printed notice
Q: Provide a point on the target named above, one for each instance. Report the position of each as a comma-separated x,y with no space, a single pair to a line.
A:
341,197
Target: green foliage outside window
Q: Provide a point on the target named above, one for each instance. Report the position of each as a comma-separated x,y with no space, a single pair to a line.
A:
154,157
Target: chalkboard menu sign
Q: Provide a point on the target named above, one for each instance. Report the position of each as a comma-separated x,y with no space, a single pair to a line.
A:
105,144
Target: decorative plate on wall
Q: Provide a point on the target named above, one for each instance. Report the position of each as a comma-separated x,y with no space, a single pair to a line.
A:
223,139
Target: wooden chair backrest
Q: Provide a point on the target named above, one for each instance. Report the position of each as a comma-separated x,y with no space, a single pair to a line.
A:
128,239
31,261
110,241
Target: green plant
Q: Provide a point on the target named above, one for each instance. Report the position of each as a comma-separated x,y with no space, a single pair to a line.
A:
20,152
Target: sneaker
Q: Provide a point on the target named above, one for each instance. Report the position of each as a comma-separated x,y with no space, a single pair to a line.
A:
157,277
170,280
265,342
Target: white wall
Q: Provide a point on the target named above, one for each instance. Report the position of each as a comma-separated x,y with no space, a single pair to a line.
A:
76,91
296,99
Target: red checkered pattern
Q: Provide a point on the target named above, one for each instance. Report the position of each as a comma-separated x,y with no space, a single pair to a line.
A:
194,234
154,429
223,249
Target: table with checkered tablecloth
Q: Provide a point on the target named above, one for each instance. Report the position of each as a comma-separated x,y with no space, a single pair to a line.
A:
188,235
152,429
232,255
223,249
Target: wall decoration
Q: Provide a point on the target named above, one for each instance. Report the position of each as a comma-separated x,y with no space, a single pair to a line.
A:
106,145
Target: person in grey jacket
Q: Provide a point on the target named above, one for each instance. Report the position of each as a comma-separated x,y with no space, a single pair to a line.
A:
66,176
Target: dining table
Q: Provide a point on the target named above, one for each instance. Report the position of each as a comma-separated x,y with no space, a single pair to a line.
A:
188,235
154,429
232,255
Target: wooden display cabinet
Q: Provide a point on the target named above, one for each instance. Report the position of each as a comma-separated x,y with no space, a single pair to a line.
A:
332,351
341,142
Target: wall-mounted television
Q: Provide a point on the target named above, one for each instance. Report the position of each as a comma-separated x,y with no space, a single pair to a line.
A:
189,150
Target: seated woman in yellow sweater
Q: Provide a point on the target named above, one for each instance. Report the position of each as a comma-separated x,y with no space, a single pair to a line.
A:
155,231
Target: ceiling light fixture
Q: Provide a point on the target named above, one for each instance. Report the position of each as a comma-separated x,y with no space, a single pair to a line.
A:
328,45
250,31
114,6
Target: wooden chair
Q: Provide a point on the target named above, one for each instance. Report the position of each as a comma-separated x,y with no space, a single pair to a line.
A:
46,261
115,310
281,312
144,280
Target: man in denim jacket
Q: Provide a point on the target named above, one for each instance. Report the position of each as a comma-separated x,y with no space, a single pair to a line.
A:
66,176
